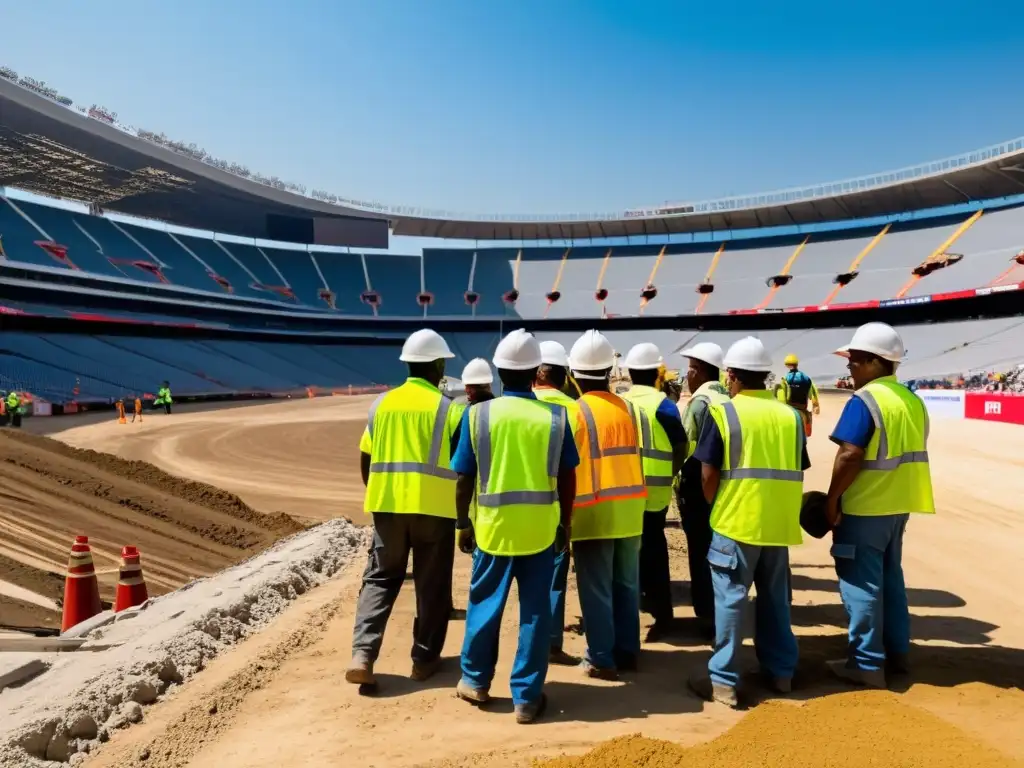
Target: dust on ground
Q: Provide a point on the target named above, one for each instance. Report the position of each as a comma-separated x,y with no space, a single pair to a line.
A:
968,628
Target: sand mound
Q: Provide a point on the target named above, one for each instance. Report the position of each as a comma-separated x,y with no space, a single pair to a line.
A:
886,733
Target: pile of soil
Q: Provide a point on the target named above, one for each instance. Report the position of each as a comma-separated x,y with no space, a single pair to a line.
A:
864,729
51,492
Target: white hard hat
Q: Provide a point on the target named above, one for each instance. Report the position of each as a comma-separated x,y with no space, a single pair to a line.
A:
553,353
644,356
425,346
591,352
877,338
519,351
706,351
748,354
477,371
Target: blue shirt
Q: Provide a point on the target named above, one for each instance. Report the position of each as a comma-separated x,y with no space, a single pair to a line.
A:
464,460
855,425
670,420
711,447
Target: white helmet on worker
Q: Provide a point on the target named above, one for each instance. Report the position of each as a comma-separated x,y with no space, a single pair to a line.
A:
519,351
879,339
748,354
644,356
553,353
707,352
477,371
425,346
591,352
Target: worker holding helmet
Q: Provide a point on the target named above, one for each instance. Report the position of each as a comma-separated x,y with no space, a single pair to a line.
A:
753,452
517,455
608,517
702,380
797,390
880,477
410,493
663,451
550,386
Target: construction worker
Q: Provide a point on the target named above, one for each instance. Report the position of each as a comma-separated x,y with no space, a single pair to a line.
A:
14,408
702,380
753,451
3,410
797,390
410,493
518,456
663,451
137,413
550,385
608,516
880,477
163,398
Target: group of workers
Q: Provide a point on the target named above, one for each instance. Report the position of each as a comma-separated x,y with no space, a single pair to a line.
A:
558,464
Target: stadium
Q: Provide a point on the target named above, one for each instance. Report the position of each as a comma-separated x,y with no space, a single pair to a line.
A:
128,259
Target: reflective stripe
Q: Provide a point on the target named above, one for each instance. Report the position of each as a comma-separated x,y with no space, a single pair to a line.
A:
647,450
658,481
432,465
757,473
884,462
596,453
628,490
482,412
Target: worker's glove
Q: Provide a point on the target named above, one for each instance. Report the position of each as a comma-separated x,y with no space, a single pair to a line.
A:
467,541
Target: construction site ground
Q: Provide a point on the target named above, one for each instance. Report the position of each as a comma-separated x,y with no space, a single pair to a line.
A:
278,699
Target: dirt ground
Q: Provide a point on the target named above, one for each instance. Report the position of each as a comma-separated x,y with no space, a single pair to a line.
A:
279,700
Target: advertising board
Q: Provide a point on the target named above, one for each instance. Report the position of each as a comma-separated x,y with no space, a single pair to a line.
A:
1005,407
944,403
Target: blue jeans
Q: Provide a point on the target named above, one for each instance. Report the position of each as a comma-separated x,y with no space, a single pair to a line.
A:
559,585
608,580
734,568
869,563
489,586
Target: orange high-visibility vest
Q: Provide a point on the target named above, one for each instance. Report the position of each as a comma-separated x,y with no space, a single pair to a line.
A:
610,466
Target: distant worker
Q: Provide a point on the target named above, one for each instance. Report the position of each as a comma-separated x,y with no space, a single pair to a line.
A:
796,389
702,380
516,453
14,408
550,386
3,410
608,516
663,451
163,398
754,453
138,410
410,493
880,477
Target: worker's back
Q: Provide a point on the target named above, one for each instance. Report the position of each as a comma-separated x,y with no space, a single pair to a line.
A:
655,446
798,387
408,436
556,396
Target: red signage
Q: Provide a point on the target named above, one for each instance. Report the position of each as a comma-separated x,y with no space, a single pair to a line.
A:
995,406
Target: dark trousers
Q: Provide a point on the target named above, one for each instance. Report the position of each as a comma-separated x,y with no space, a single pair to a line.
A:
696,518
167,408
432,543
655,580
16,419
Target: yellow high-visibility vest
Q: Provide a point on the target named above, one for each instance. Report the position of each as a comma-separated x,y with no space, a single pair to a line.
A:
408,436
895,476
552,395
655,448
761,486
518,445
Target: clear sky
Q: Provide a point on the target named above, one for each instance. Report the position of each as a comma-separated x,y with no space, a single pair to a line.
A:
541,105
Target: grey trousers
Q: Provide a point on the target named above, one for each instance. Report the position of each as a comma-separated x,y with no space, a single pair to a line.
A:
432,543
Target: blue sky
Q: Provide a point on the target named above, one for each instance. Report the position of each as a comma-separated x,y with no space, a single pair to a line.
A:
541,105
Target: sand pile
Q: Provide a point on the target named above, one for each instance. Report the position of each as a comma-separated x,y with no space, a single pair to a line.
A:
856,730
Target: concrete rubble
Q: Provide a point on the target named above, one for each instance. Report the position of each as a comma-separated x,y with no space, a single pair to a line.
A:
133,659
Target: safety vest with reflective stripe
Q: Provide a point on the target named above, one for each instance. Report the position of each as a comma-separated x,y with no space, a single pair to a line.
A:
655,448
552,395
710,392
761,482
518,446
895,476
408,434
610,491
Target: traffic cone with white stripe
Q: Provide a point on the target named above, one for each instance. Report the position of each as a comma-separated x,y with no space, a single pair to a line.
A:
131,585
81,589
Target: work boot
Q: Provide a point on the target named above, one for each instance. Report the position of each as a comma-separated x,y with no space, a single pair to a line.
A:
529,713
701,684
424,670
781,685
599,673
467,692
560,658
869,678
360,671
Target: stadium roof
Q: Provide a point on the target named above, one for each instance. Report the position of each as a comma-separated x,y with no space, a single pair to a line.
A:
51,149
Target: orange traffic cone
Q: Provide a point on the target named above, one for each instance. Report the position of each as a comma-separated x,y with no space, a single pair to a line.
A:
81,589
131,585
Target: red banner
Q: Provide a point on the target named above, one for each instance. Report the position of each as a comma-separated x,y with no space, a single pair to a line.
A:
995,406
